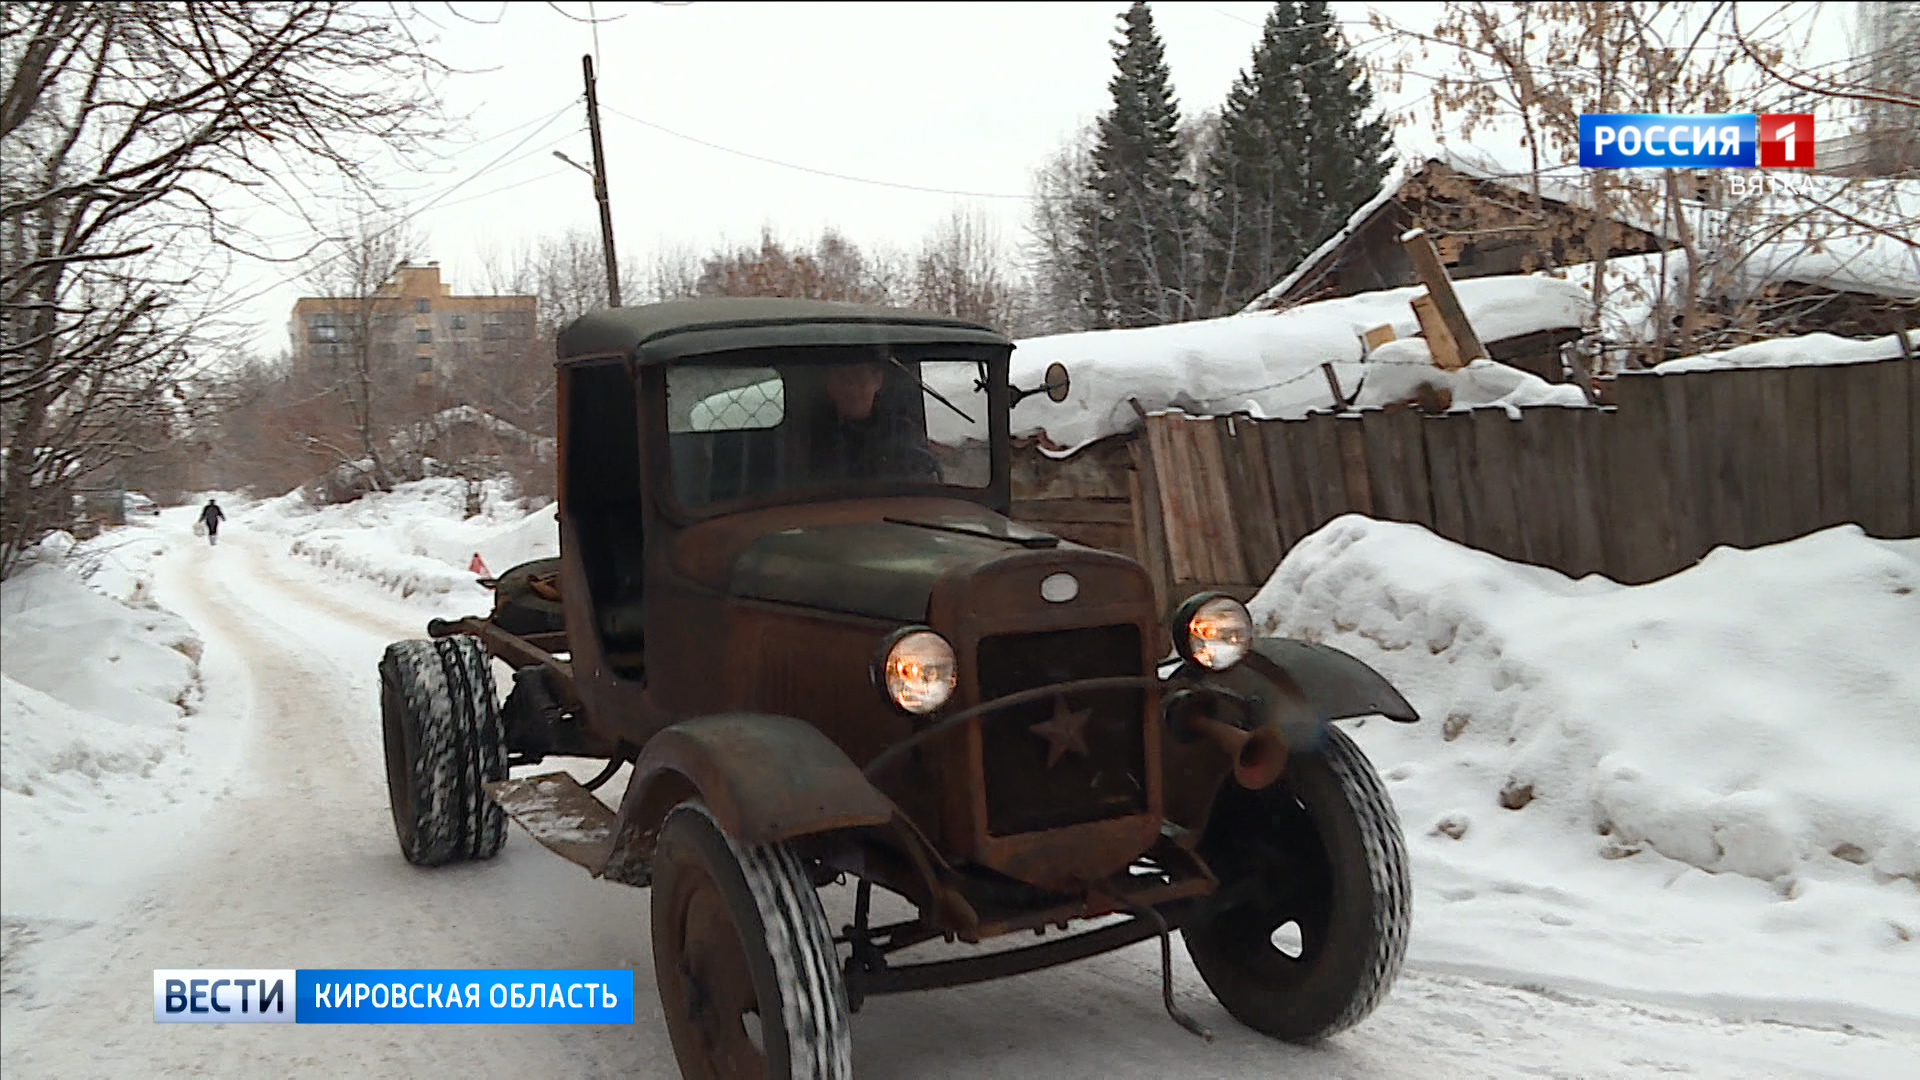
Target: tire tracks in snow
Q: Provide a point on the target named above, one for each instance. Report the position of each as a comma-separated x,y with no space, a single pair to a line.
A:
299,868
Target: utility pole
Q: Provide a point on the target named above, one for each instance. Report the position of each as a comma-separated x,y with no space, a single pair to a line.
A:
600,186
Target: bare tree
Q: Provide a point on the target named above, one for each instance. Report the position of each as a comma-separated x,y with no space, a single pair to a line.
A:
356,361
963,270
131,132
1538,66
835,269
1060,202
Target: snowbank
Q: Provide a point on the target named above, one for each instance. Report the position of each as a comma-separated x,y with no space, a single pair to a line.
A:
1266,364
1719,765
91,689
1791,351
416,540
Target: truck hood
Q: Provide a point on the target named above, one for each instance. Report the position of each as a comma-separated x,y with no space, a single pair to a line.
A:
884,569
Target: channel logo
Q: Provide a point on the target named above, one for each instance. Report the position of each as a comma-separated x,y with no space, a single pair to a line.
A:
392,996
223,996
1712,141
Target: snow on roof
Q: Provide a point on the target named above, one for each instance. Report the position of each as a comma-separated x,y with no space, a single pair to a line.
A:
1844,234
1267,364
1795,351
1561,183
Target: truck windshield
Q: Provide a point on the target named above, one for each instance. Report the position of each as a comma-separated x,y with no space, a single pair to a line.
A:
737,431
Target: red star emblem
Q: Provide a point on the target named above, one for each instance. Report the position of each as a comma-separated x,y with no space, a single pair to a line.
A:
1066,731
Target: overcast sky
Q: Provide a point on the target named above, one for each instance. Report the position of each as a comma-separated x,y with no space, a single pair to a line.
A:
961,97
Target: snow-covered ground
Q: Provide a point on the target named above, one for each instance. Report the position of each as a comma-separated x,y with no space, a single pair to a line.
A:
1700,789
1745,730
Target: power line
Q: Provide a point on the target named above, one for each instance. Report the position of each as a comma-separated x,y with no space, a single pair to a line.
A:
819,172
412,214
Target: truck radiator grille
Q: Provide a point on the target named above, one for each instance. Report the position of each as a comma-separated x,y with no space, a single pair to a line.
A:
1024,793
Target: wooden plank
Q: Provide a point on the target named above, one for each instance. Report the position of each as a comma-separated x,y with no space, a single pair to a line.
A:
1446,471
1323,478
1190,521
1773,452
1493,478
1637,552
1104,511
1582,504
1598,437
1440,342
1098,471
1281,438
1386,464
1171,474
1353,465
1222,556
1252,489
1800,451
1377,337
1679,404
1540,488
1410,436
1835,503
1148,512
1724,513
1865,482
1896,445
1433,274
1913,445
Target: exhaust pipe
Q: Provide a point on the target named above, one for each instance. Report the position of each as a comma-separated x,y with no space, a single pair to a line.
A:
1259,757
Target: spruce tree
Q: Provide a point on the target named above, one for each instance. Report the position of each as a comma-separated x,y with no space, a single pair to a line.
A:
1297,154
1136,233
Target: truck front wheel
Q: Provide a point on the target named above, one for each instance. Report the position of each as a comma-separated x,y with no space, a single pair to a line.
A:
1309,926
744,957
444,742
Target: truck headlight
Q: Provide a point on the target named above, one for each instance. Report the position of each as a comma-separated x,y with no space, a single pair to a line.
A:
915,668
1213,630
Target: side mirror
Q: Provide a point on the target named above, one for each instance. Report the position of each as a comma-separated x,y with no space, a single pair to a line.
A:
1055,386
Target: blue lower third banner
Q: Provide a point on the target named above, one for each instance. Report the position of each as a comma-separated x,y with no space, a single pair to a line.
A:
393,996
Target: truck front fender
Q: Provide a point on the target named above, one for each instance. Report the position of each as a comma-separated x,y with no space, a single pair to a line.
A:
765,778
1301,686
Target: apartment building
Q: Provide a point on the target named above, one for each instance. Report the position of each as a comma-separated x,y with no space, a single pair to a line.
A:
414,319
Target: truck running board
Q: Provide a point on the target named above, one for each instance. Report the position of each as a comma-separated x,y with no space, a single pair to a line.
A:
558,812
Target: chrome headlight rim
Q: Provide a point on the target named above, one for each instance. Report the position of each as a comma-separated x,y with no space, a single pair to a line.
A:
1183,636
881,668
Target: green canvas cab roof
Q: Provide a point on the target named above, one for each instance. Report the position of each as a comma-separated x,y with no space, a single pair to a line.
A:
680,329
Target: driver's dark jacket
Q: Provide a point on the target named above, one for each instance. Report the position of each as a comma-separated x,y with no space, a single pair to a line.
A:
886,446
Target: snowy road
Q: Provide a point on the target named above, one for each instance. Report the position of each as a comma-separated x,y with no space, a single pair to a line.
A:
293,864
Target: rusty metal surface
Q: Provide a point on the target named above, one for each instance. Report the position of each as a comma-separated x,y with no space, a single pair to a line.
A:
561,814
1333,685
766,778
882,569
760,623
934,975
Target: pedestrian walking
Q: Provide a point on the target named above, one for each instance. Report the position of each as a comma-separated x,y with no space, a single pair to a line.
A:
210,517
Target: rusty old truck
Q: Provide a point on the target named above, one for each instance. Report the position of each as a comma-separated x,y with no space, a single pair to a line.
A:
791,608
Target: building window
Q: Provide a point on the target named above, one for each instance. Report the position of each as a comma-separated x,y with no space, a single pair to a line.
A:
423,363
423,336
457,322
422,306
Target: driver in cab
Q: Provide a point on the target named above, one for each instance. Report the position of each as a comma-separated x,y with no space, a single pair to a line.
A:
865,435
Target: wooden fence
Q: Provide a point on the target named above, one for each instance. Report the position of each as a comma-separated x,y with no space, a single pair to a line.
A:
1674,466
